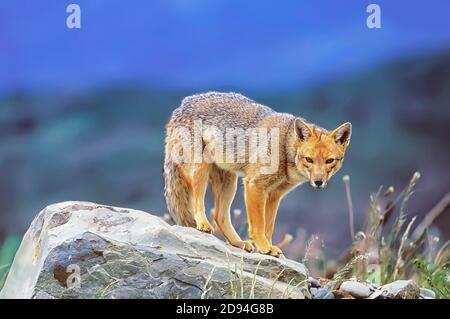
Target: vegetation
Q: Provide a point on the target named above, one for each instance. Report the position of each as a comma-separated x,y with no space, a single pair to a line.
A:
7,252
388,249
435,274
245,288
401,251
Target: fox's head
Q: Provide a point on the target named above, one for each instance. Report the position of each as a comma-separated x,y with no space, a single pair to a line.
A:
320,153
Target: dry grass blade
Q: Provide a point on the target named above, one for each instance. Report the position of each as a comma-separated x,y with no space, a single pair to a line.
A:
345,271
346,180
269,295
290,289
241,277
252,289
374,214
443,252
232,278
205,287
308,247
437,210
402,215
399,262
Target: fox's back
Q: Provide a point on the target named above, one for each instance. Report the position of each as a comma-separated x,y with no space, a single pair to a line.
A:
222,110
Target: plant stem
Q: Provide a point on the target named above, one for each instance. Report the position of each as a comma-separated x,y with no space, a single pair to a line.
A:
346,180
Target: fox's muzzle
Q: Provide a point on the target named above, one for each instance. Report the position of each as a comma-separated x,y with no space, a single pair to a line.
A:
318,183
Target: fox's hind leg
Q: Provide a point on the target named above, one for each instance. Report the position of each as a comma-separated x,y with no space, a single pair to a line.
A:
198,175
224,186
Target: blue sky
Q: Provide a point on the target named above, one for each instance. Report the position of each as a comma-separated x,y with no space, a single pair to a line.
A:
204,44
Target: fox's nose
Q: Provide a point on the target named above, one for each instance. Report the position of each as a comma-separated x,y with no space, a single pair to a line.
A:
318,182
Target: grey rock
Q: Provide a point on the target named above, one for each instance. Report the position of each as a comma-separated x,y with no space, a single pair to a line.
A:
377,294
355,289
427,293
313,282
86,250
401,289
323,293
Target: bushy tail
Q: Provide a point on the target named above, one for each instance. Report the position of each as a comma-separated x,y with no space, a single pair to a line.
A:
177,192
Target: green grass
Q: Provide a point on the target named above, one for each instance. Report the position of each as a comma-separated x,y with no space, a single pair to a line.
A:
7,253
435,274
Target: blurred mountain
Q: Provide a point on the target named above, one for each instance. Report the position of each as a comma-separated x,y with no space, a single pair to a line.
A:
203,44
58,146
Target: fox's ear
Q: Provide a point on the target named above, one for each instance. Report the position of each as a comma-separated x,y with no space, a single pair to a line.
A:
302,129
342,134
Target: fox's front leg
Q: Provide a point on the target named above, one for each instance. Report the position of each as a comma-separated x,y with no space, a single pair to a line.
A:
255,201
272,205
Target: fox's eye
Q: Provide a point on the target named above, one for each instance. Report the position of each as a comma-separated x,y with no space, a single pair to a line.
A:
308,159
329,161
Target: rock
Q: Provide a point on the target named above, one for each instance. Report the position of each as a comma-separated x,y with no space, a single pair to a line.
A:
323,293
427,293
86,250
313,282
401,289
377,294
355,289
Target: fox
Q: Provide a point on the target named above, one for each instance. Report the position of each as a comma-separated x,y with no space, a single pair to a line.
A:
306,153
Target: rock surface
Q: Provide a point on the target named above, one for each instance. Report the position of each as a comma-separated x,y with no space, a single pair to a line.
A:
355,289
86,250
313,282
427,293
323,293
401,289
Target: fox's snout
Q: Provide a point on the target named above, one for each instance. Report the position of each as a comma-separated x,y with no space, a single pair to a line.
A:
318,183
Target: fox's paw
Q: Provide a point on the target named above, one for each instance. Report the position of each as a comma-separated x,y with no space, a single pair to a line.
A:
205,227
272,250
244,244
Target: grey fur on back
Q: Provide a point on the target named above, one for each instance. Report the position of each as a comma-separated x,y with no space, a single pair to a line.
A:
223,110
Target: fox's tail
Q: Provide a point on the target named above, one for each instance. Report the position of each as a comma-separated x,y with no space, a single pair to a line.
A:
177,191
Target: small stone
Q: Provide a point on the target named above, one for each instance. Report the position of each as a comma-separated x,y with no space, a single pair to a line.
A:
323,293
313,291
427,293
355,289
313,282
378,294
401,289
374,287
